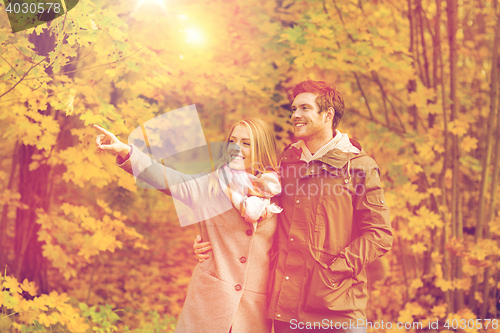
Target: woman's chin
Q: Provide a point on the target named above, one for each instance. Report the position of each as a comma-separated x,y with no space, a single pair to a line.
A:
237,165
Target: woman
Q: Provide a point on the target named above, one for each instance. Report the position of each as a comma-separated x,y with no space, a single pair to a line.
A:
227,292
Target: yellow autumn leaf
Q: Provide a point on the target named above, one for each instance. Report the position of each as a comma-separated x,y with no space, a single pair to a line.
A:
437,257
495,226
463,284
416,283
39,303
443,284
429,218
425,152
29,287
11,284
436,191
418,248
458,127
46,320
438,148
24,305
468,143
413,169
439,311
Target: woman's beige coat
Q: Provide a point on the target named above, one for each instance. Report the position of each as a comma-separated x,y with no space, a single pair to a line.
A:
228,290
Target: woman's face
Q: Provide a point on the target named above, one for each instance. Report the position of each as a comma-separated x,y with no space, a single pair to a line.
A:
239,149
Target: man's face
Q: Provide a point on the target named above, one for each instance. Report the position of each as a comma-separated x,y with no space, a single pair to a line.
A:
306,119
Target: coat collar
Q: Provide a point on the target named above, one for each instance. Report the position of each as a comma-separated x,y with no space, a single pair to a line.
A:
334,158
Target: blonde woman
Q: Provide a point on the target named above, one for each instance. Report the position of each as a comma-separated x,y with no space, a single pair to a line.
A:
227,292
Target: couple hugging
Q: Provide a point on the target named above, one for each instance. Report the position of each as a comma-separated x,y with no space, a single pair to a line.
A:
290,253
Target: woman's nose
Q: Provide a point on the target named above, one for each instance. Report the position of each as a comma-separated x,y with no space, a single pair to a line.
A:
233,147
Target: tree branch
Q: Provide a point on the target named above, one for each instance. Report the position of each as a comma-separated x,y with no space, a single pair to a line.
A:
9,65
378,122
84,69
385,98
364,96
15,85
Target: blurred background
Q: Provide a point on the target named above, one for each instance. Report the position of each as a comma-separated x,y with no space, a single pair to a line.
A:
83,248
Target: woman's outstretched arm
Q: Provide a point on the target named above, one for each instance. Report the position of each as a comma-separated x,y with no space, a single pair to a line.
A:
191,190
152,172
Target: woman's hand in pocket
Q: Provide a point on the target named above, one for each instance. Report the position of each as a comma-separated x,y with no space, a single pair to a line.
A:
201,248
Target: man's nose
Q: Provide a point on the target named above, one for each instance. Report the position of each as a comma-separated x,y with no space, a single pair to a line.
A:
296,114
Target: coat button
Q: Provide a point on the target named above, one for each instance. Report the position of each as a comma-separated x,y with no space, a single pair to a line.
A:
297,201
382,201
312,171
291,239
237,287
249,232
287,278
346,181
278,316
243,260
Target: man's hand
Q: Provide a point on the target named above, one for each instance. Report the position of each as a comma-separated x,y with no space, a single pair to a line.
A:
107,141
200,249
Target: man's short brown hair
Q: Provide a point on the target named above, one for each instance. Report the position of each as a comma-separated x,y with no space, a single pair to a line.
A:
328,97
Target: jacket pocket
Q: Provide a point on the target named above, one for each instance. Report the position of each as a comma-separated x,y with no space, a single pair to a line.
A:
376,198
326,293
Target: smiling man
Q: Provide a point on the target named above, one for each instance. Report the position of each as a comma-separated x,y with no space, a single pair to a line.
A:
334,221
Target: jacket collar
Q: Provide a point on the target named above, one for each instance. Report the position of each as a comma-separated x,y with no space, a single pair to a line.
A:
335,157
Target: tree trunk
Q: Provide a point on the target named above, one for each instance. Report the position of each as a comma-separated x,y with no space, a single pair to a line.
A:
5,210
420,28
487,156
446,157
451,10
412,84
28,259
33,187
459,293
494,183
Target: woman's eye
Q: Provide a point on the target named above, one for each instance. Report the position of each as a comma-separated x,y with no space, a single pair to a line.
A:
246,144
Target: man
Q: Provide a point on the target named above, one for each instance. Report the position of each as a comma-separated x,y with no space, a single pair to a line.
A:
334,221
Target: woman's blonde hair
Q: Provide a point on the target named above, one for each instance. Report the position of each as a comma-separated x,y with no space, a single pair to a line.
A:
263,150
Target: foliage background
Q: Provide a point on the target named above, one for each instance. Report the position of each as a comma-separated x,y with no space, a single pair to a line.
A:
82,247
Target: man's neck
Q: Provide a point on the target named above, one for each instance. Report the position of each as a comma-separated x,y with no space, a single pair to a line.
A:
315,144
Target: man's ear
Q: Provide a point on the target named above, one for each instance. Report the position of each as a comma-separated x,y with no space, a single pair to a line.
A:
330,113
